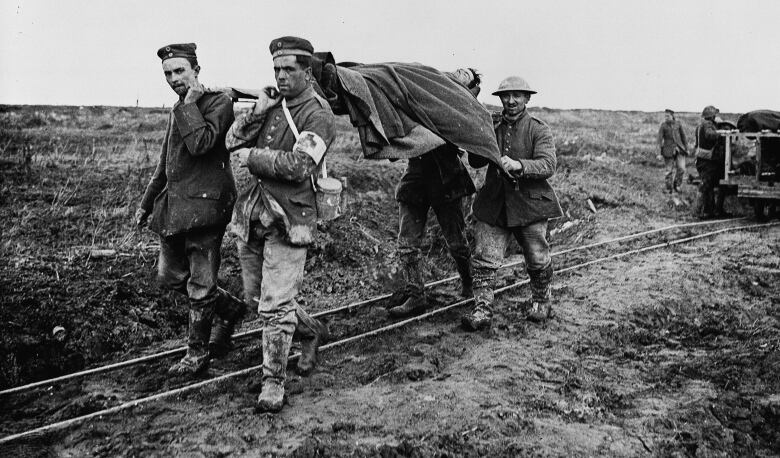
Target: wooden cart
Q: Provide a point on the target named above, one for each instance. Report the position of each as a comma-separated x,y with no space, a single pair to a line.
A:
761,189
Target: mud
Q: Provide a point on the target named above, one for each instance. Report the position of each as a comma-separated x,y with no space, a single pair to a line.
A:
668,353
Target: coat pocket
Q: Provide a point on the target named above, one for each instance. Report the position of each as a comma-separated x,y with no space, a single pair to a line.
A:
540,195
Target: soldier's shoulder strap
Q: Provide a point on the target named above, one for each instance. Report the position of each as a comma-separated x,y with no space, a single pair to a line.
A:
539,120
323,103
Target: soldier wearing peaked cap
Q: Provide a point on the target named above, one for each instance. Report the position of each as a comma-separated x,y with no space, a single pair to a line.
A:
674,149
516,201
277,148
190,198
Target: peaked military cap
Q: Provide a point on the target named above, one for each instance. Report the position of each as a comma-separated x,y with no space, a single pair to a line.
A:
291,46
671,112
186,50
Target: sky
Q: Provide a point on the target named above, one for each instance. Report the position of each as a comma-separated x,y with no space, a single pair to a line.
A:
602,54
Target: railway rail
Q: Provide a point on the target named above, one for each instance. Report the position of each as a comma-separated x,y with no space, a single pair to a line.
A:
361,335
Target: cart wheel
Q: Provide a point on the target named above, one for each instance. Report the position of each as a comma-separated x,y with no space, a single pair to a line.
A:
759,208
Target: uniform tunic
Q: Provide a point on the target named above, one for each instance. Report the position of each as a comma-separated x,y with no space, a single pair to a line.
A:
671,138
192,186
527,197
275,174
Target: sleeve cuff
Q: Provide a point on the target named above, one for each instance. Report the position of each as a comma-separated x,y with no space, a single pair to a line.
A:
261,162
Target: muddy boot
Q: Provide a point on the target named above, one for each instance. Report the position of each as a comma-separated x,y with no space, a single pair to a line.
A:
196,360
416,303
541,293
313,333
398,297
466,278
230,311
481,314
276,347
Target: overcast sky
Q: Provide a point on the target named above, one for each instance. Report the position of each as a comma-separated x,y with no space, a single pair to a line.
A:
607,54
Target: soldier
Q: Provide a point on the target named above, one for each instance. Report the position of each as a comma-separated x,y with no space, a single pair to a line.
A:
674,149
439,180
709,164
516,201
275,216
190,198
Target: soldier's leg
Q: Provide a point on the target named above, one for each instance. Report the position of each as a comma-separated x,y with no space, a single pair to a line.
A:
538,261
282,277
230,312
453,226
202,248
670,167
679,174
412,219
173,268
707,193
491,243
703,208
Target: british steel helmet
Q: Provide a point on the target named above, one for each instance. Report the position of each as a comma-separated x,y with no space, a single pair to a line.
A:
514,83
709,111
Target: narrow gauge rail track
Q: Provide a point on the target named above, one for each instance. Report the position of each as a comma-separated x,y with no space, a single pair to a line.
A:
346,308
372,332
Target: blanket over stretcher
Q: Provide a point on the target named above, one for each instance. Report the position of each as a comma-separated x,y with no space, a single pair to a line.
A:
404,110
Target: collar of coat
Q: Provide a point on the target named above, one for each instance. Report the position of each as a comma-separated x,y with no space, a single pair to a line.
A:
509,122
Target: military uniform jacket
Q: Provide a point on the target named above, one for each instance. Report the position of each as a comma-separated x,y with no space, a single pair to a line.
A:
527,197
278,172
671,138
192,186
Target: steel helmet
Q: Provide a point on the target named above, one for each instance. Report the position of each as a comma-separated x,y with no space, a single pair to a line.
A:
514,83
709,111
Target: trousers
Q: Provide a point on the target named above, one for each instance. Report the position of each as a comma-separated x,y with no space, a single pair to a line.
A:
189,263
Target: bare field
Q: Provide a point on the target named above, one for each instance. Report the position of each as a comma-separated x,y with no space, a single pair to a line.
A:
675,352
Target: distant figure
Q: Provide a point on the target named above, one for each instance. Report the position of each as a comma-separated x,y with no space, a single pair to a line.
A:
436,180
190,199
674,149
709,164
516,201
275,218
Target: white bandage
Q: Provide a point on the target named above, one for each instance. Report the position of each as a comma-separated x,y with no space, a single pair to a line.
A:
311,144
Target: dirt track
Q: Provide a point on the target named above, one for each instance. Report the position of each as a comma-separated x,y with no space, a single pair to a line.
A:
673,352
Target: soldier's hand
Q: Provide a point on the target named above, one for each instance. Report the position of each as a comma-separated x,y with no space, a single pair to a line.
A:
141,218
195,92
511,165
269,98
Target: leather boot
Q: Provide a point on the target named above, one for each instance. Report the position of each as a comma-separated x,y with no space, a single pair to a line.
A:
276,347
229,312
541,293
466,278
416,302
481,314
196,360
312,333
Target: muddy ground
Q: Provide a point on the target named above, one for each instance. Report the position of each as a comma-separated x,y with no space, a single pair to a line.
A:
671,353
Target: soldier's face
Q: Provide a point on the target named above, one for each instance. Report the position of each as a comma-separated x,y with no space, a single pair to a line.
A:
668,117
514,102
179,74
291,78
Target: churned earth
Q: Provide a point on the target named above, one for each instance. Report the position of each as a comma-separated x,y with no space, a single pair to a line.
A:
672,352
